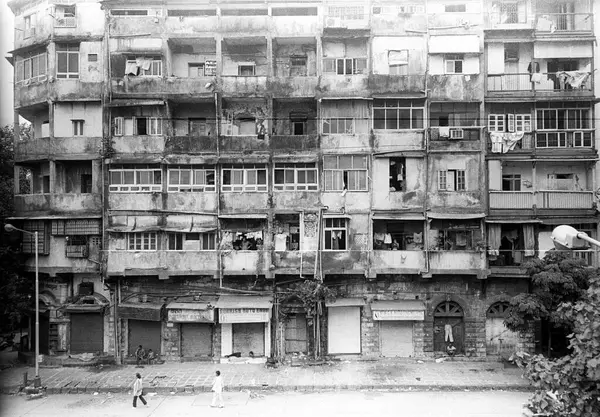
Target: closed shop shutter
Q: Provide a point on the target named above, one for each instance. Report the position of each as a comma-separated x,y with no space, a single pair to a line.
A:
196,340
396,338
87,332
295,334
145,333
499,340
343,330
249,337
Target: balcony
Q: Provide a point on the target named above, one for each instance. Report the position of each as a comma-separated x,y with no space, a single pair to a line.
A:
162,263
344,262
455,138
238,86
62,203
341,142
184,25
396,84
565,200
172,87
243,202
344,85
192,201
286,87
246,262
556,24
294,143
399,140
239,25
563,144
548,85
343,22
512,200
249,143
288,26
57,263
509,263
294,262
590,257
39,91
525,146
45,148
191,144
457,262
395,22
147,201
509,19
130,145
397,262
456,87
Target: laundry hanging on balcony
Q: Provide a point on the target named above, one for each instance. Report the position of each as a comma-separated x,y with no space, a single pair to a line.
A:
502,142
574,79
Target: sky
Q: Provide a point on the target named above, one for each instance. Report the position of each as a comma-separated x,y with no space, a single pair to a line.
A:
6,70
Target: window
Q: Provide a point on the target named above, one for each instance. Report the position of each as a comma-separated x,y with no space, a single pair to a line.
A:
397,114
345,173
31,67
346,12
246,126
511,52
246,70
191,13
454,114
345,66
197,126
298,66
147,126
28,240
66,16
118,126
563,119
452,180
397,174
135,178
78,127
294,11
83,227
295,177
454,63
516,122
338,126
144,66
522,123
29,23
67,61
191,241
509,13
398,62
298,125
246,177
141,241
511,182
496,122
76,246
455,8
188,179
196,70
129,12
563,182
335,234
92,57
86,183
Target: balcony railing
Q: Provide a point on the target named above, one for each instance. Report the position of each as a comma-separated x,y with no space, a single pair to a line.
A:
509,258
564,22
569,82
66,22
547,199
511,199
589,256
294,142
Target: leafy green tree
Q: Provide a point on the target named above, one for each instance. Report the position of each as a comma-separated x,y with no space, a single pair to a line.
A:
558,278
570,386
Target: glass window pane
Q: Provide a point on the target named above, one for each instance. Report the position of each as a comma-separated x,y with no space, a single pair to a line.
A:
330,162
115,177
251,176
360,162
379,119
262,176
279,176
403,118
73,62
345,162
391,119
128,177
417,119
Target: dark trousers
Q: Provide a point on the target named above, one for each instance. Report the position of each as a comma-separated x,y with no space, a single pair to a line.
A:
135,397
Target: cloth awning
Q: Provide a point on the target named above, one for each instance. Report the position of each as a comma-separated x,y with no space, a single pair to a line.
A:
245,301
398,310
450,44
244,216
140,311
383,215
439,215
196,312
346,302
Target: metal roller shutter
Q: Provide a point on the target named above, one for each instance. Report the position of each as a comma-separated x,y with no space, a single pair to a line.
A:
87,332
249,337
343,330
396,338
295,334
196,340
145,333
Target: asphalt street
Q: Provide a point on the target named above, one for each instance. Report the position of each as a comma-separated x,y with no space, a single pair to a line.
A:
289,404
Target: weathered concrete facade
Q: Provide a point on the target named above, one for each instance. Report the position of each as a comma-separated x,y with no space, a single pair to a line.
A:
412,155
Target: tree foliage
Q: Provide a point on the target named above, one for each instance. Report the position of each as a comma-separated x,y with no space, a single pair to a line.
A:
311,293
558,278
570,386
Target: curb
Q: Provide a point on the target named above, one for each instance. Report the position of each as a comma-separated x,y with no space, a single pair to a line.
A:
187,390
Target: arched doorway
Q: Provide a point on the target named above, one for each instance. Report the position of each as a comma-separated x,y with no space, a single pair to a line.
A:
498,339
448,313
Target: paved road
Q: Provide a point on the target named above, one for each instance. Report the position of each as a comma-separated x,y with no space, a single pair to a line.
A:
289,404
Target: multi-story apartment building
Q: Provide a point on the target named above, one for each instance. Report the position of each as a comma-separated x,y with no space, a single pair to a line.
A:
192,160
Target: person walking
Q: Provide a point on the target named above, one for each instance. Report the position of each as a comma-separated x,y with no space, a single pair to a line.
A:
138,390
217,390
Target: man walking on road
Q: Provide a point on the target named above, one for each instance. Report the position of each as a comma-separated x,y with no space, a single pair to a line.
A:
138,390
217,389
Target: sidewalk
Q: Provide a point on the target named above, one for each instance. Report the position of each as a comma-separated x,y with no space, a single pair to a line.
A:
194,377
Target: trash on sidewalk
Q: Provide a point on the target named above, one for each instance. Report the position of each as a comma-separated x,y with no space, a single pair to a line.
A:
440,360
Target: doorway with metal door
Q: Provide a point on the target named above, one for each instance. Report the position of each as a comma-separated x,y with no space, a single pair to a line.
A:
448,327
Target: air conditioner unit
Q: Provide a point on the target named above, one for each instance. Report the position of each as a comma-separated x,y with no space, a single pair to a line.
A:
456,134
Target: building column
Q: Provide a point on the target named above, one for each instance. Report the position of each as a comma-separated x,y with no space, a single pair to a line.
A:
52,171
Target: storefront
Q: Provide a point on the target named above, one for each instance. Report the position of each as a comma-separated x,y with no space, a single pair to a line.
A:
87,324
343,326
396,325
143,326
195,321
245,325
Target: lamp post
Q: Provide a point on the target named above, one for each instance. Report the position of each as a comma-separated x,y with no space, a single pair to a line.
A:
10,228
568,238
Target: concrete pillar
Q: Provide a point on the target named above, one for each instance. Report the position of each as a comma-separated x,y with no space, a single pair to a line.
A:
17,172
226,339
269,58
51,118
52,169
96,176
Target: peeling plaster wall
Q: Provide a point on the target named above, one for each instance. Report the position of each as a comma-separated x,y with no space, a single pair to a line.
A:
437,65
233,110
282,54
180,62
417,53
348,48
236,55
91,71
283,110
413,197
182,113
472,197
66,112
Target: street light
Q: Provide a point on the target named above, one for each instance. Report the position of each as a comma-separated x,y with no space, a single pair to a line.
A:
568,238
10,228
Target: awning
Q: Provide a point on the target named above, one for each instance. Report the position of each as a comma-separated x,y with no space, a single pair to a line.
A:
571,49
346,302
140,311
450,44
405,154
383,215
134,102
509,221
84,308
570,220
244,301
436,215
196,312
336,216
398,310
73,217
244,216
